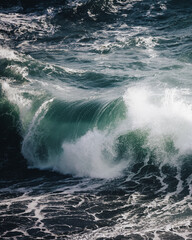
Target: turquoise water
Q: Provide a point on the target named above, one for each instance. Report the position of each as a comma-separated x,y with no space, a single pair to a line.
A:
97,96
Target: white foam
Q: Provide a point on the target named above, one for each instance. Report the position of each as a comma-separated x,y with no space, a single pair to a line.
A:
15,96
6,53
164,114
91,155
29,144
23,71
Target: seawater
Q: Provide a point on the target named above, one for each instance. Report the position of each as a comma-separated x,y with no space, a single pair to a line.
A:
96,119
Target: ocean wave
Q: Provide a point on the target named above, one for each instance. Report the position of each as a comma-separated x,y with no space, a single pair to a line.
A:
144,126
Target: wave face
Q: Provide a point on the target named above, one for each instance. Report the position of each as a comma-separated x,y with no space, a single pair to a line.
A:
96,118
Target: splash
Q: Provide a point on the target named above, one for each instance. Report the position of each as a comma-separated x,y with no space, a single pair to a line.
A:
157,126
166,114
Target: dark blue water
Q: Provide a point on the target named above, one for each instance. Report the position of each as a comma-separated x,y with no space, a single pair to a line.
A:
96,119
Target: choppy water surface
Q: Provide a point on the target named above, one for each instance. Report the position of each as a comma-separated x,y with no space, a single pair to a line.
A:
96,119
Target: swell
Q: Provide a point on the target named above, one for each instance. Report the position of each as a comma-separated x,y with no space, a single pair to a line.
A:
104,138
56,122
